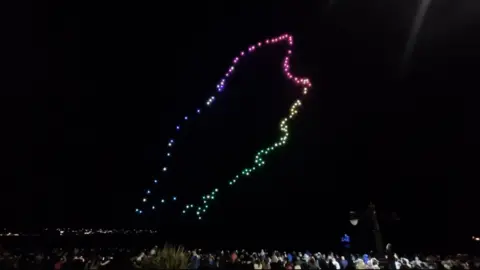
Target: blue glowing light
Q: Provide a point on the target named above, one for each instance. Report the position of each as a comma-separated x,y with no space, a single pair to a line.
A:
345,238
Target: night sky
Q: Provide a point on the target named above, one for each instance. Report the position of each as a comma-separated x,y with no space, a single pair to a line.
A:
92,94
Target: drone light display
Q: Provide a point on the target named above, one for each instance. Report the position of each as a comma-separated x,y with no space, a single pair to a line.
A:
259,160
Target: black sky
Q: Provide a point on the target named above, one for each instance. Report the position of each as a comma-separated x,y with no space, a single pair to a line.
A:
91,95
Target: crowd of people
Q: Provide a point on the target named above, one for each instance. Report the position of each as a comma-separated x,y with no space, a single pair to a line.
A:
118,259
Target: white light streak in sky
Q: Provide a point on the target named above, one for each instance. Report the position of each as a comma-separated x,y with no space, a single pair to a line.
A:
416,27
